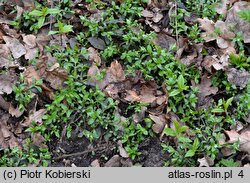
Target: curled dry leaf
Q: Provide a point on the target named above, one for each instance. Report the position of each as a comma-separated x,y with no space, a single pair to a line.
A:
194,54
238,77
116,71
30,74
208,26
132,96
16,48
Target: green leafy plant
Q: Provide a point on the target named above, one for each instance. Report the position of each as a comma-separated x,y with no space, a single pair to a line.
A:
14,157
23,92
223,106
245,14
62,28
42,13
240,61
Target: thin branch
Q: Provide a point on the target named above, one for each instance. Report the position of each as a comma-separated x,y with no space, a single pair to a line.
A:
83,152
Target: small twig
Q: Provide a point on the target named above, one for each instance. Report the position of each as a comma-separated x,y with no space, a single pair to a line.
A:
83,152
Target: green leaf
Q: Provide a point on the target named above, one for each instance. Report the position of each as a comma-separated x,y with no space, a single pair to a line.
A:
66,29
59,24
181,82
53,11
183,129
229,101
177,126
40,22
190,153
170,132
36,13
53,32
217,110
184,139
196,144
174,92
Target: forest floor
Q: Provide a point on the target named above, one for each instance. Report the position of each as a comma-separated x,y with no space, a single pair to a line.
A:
125,83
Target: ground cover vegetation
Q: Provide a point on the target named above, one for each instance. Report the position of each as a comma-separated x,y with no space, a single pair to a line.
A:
124,83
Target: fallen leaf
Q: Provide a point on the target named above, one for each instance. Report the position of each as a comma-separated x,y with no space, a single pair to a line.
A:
208,26
221,7
28,5
16,48
243,137
5,58
115,161
122,151
147,14
95,163
117,71
94,56
92,73
7,81
30,74
56,76
15,111
238,77
159,123
158,16
206,162
139,116
38,141
164,41
205,88
240,25
34,116
114,74
31,53
212,62
97,43
132,96
29,40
